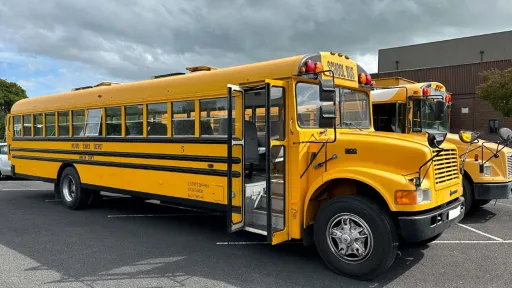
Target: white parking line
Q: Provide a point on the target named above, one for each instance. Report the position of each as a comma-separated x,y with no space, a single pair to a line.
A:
480,232
159,215
504,204
470,241
25,189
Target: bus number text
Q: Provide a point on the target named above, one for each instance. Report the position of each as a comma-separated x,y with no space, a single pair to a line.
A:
86,157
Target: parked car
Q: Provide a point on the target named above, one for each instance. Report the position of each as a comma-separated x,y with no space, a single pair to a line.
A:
5,164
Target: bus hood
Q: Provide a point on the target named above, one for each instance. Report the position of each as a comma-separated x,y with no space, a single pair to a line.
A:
413,137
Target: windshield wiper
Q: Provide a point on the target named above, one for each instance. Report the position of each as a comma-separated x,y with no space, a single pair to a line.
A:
352,124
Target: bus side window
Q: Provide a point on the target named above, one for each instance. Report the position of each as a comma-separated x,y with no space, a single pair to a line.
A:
157,119
133,120
49,124
183,118
17,126
78,122
93,123
113,121
27,125
63,123
213,111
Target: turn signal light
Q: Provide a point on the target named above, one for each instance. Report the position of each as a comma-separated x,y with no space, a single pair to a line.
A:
362,78
476,157
448,98
319,67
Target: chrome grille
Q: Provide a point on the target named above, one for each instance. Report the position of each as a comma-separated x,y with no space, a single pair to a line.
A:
446,168
509,164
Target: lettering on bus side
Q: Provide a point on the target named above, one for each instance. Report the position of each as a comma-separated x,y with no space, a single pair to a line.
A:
196,189
341,71
86,146
85,157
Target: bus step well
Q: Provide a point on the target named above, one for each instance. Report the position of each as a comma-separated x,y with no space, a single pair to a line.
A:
256,207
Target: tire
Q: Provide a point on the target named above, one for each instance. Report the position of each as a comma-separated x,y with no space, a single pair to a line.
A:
73,198
481,202
467,193
382,244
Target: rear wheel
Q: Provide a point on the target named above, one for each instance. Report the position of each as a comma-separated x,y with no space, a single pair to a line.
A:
73,195
355,237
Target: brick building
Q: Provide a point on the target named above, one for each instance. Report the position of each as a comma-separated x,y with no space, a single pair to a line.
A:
457,66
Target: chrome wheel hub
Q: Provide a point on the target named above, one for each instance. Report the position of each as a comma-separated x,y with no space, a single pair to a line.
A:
69,188
349,238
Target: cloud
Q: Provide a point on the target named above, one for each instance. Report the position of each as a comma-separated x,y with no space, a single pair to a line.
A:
137,39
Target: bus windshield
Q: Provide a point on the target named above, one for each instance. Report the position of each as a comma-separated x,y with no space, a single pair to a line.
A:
353,104
430,115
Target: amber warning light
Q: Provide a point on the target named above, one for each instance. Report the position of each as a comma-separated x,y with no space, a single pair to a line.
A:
365,79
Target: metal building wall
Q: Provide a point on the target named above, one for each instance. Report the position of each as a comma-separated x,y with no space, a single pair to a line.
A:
493,46
461,81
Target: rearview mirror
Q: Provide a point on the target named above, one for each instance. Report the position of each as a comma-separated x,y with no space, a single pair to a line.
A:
327,117
327,90
436,139
468,136
440,110
505,134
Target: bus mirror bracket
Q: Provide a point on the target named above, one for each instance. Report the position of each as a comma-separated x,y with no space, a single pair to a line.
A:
327,89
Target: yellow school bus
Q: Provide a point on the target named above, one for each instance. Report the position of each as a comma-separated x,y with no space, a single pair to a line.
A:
268,143
487,172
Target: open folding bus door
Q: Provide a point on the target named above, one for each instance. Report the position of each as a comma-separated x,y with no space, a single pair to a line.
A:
235,158
276,163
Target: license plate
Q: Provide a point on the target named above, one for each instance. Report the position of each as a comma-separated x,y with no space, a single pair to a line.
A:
453,213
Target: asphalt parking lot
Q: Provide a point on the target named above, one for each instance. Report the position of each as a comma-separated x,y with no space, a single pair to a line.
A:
122,243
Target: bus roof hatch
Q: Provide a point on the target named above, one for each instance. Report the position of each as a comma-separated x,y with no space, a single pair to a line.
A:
200,68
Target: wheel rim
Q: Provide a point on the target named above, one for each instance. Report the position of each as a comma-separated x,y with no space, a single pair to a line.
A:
349,238
69,188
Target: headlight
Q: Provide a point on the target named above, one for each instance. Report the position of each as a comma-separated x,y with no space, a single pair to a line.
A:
413,197
487,170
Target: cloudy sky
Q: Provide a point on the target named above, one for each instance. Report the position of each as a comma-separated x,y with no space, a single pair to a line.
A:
51,46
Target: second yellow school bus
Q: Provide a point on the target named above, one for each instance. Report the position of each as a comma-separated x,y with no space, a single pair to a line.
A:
487,170
263,142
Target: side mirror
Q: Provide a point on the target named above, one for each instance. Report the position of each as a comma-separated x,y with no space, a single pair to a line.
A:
505,134
440,110
468,136
327,116
327,91
436,139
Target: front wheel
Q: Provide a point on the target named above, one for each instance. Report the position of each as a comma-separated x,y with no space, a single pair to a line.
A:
467,193
355,237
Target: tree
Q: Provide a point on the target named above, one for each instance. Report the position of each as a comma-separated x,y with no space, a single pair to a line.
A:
10,93
496,88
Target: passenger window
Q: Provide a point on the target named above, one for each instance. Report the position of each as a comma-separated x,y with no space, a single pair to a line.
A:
27,125
157,119
113,121
78,120
93,124
49,124
183,118
38,125
213,117
133,120
63,123
17,126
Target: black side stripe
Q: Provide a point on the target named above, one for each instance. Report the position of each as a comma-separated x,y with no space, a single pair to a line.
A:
186,170
194,158
190,140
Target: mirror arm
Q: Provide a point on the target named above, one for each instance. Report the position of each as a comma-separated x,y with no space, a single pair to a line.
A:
494,154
